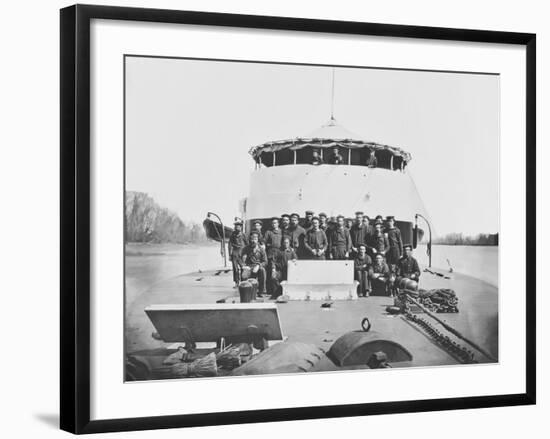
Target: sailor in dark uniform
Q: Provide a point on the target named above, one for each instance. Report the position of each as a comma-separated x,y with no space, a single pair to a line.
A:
358,233
323,225
372,161
307,220
237,243
273,239
363,270
257,227
316,241
317,159
369,230
339,240
380,275
396,244
379,242
254,257
408,271
336,158
297,234
279,269
285,220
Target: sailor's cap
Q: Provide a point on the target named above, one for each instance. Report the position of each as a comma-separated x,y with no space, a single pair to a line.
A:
309,212
409,246
237,223
294,215
323,214
285,215
390,217
275,218
254,232
340,216
359,213
258,222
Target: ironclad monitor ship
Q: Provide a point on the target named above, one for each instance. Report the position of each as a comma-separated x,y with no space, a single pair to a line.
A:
338,331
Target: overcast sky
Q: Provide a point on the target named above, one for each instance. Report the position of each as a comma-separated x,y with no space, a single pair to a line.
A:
190,124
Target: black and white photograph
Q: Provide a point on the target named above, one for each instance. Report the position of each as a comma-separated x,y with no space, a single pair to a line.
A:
297,218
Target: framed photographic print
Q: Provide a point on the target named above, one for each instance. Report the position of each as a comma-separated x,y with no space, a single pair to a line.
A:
340,214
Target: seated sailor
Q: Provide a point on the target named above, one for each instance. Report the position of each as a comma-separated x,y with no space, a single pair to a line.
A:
255,258
279,267
336,158
317,159
408,270
339,240
363,271
380,275
237,243
316,242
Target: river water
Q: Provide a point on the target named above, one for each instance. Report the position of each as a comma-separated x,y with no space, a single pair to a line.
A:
148,264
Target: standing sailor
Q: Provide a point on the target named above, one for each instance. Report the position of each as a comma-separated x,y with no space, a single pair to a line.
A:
307,221
316,241
339,240
273,239
285,218
254,257
323,225
257,227
369,230
396,244
372,161
408,270
358,233
237,243
297,234
336,158
379,242
317,159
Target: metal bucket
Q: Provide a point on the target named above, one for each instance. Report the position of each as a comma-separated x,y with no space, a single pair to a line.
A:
246,291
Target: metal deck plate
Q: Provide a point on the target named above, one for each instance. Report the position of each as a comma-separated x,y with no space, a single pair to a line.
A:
210,322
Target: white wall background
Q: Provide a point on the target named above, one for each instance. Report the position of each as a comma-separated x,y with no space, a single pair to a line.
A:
29,218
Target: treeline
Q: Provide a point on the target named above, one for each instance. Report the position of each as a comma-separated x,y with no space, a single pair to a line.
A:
146,221
460,239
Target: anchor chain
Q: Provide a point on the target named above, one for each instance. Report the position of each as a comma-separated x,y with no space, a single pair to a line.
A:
458,351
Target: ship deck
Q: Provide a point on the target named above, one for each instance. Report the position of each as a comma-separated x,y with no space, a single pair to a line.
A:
308,322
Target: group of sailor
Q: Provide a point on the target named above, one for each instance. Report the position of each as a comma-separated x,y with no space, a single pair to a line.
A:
381,261
335,158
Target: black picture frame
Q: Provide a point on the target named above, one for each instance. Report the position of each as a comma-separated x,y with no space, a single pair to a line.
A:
75,216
